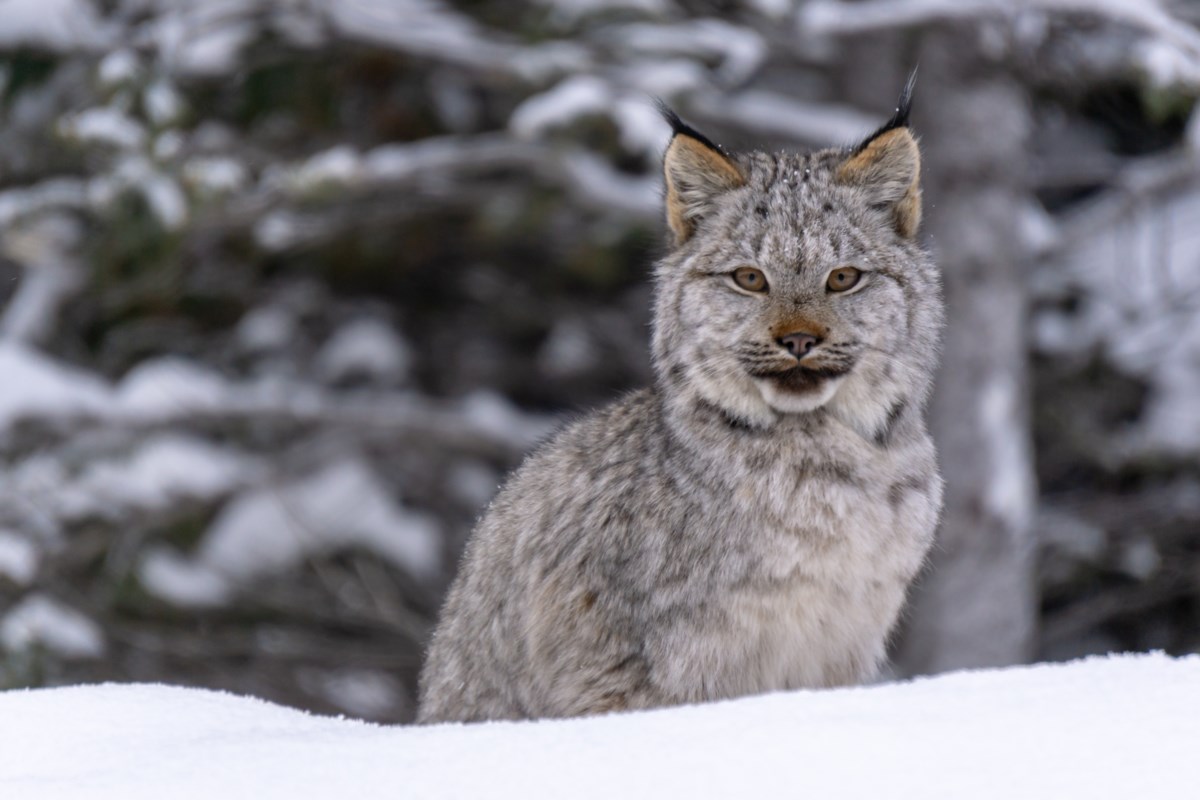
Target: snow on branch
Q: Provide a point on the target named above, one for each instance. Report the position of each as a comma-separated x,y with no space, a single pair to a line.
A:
61,26
769,113
444,167
430,30
835,17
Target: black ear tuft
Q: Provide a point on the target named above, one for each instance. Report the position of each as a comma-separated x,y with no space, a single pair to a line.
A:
904,105
900,118
678,127
696,172
886,167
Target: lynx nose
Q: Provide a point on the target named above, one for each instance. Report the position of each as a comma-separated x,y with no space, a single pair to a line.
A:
799,344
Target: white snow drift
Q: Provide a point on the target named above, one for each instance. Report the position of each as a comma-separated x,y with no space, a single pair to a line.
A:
1115,727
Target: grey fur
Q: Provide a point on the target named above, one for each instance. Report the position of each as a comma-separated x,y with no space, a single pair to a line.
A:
718,534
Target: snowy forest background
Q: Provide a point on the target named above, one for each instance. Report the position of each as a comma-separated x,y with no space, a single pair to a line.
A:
286,287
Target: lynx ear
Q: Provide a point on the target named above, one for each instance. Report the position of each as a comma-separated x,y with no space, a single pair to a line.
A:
696,171
888,165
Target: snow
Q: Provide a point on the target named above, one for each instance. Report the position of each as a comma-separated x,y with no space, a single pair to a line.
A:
1140,558
51,193
664,77
162,193
164,469
1151,18
428,28
278,230
596,180
269,530
167,145
118,67
1113,727
642,129
203,39
169,386
164,104
266,523
774,114
1132,257
365,348
58,25
772,8
40,619
473,483
166,200
35,385
39,387
18,558
340,165
570,12
399,162
491,413
739,51
542,62
181,581
569,350
49,276
161,471
367,693
577,96
104,125
266,329
1066,541
420,27
1010,494
215,174
265,528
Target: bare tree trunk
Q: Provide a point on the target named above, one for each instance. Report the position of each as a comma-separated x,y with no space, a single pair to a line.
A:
976,605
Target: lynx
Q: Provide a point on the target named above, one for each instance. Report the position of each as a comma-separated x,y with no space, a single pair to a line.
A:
751,522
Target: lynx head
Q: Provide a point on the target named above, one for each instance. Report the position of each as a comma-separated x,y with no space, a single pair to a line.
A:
795,282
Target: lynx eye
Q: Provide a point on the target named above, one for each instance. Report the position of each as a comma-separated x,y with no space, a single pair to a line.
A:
750,279
843,279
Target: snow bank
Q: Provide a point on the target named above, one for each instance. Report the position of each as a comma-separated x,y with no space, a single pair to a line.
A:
1107,727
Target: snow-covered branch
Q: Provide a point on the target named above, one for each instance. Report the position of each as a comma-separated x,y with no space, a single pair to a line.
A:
838,18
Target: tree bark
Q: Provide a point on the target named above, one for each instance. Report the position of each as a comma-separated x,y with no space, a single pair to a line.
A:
976,604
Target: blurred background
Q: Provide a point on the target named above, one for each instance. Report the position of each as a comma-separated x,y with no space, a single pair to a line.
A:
287,286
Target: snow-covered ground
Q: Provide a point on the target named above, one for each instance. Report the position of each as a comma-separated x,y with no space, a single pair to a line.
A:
1126,726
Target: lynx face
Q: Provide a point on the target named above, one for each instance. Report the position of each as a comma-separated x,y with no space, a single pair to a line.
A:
795,282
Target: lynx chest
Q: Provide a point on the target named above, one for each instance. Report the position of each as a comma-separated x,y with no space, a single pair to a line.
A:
831,547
